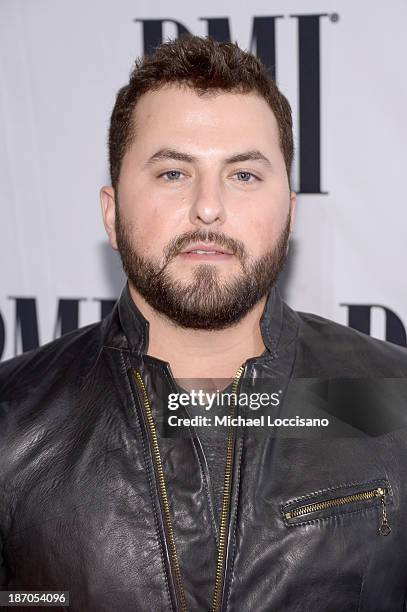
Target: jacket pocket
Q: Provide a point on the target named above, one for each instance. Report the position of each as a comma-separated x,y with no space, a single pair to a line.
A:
337,501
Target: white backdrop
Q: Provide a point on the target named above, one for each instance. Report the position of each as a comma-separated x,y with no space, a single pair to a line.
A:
61,66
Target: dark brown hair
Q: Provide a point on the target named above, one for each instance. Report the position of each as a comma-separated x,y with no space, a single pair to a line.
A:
205,65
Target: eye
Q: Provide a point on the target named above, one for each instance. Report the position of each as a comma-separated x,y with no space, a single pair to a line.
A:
245,176
171,175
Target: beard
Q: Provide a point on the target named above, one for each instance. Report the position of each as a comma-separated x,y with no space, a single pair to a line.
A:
206,302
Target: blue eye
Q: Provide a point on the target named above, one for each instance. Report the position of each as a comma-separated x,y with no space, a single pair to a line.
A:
244,176
172,175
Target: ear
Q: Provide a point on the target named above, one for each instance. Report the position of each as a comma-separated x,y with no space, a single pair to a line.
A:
293,209
108,204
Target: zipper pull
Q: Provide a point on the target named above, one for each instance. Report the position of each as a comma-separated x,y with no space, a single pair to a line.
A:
384,528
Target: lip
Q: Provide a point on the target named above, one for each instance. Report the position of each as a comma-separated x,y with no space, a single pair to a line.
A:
210,248
209,253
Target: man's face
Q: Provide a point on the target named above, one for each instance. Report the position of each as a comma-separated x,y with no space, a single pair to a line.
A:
203,211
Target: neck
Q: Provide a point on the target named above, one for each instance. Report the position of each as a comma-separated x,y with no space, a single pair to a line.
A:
198,353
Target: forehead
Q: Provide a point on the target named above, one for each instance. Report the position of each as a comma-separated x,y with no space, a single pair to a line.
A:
174,113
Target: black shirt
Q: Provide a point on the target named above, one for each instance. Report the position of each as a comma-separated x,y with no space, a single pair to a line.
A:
213,440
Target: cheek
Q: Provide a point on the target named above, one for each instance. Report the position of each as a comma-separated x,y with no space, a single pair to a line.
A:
151,225
262,231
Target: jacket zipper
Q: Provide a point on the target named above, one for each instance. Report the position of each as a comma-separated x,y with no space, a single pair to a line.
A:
225,512
380,492
163,492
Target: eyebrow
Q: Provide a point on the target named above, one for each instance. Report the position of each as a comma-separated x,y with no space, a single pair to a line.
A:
163,154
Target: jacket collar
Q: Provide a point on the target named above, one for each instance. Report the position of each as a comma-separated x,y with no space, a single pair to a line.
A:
133,323
278,324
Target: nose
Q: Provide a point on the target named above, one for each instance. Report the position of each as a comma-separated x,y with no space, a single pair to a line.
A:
208,206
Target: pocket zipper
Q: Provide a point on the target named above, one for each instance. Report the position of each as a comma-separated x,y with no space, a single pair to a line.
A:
380,492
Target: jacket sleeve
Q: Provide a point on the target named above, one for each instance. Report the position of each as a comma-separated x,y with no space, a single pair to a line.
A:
3,575
3,569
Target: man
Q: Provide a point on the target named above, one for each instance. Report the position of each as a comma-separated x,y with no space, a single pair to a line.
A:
97,496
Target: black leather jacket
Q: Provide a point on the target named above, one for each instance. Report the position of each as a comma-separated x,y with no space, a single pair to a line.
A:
95,501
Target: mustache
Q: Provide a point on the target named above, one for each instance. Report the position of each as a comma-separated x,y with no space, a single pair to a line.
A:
180,243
